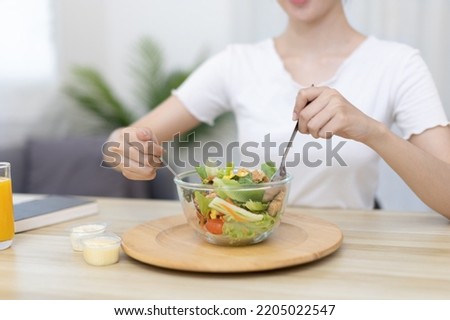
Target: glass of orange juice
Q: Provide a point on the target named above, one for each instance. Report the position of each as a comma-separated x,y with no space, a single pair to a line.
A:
6,206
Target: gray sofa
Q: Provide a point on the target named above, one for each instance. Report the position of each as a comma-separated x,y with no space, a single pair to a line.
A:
72,166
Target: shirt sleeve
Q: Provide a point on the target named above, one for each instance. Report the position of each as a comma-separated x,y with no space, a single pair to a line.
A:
417,105
205,91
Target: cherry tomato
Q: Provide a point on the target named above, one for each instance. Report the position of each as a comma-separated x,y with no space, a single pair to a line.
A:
214,226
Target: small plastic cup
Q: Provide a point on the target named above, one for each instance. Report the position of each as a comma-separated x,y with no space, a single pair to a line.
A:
80,231
102,249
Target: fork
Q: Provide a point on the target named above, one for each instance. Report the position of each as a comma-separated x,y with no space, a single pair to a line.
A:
280,174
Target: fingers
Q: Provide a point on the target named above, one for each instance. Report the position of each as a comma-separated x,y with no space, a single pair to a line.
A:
134,171
143,140
304,97
144,134
315,107
139,152
312,116
326,132
318,123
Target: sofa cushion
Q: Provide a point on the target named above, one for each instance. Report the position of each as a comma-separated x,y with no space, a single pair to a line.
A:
15,156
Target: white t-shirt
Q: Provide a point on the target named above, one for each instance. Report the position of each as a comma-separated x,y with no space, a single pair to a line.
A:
388,81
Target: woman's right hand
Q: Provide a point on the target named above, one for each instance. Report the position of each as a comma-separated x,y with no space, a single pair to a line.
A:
134,151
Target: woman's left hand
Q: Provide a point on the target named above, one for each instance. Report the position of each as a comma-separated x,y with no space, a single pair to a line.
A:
323,112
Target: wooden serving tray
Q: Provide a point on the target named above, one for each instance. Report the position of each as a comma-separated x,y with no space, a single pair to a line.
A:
171,243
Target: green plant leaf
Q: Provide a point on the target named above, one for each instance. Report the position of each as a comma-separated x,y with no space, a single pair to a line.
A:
91,91
153,82
148,69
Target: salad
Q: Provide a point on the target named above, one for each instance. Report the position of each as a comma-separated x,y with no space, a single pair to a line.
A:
231,211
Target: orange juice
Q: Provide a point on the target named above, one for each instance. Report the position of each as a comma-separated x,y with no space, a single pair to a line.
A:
6,210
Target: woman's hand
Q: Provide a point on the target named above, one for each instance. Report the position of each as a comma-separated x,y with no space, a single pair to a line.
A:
134,151
323,112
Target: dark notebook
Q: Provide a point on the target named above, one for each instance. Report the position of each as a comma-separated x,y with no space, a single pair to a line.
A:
51,210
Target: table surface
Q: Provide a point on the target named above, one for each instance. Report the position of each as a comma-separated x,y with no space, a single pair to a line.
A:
384,255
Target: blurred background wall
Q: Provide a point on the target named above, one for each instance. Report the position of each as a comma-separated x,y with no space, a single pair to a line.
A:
41,41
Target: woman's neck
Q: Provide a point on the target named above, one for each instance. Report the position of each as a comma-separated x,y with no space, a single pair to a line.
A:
329,34
313,51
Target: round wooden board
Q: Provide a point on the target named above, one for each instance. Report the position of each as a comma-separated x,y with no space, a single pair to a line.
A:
171,243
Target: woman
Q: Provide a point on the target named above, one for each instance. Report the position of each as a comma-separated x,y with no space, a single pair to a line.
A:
362,86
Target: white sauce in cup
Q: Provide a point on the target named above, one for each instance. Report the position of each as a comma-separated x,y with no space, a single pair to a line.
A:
80,231
101,250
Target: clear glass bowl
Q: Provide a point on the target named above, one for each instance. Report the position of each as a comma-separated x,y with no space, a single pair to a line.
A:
232,223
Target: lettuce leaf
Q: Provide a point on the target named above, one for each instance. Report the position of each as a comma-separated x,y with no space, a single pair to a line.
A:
245,180
203,203
229,168
242,231
233,212
269,169
211,172
201,172
256,206
225,190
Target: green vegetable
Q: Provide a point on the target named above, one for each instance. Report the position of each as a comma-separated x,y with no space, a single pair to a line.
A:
240,231
238,214
229,168
227,191
234,212
211,171
246,180
256,206
269,169
201,172
203,203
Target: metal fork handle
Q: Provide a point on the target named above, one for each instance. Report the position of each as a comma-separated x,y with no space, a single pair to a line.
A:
281,171
286,151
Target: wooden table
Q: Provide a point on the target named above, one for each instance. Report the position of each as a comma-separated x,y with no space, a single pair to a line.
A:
385,255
